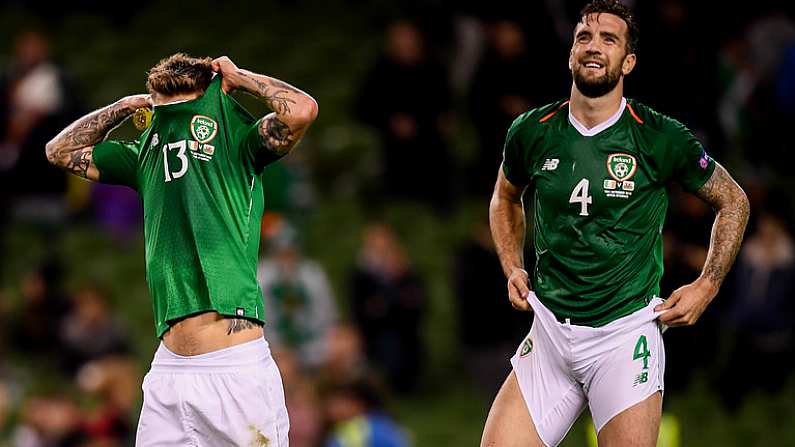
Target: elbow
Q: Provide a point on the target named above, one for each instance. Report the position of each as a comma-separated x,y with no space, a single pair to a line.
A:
308,112
744,204
51,151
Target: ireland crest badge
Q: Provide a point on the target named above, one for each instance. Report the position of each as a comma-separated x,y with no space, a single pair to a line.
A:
203,128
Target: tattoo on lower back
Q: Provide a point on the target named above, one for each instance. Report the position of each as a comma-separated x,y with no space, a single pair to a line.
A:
240,324
276,135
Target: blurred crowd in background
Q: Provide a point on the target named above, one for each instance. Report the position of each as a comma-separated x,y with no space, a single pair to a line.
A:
438,95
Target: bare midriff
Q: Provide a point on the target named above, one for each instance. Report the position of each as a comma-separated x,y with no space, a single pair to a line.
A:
208,332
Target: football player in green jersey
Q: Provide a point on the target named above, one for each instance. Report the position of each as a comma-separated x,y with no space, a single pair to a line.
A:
198,168
597,167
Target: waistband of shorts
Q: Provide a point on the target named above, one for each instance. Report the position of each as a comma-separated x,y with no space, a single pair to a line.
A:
539,307
223,360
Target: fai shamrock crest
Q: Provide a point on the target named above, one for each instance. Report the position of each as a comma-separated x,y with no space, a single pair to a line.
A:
621,166
203,128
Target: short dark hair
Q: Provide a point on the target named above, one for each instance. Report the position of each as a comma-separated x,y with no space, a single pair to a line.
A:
617,9
180,74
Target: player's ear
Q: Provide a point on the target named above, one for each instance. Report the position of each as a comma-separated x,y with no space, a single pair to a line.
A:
629,63
571,58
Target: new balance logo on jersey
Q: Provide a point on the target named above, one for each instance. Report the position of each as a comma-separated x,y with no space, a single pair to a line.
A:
550,164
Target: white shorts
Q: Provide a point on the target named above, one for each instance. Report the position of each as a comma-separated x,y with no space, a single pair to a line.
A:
230,397
562,367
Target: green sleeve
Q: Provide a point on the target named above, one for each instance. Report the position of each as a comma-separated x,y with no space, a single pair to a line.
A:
252,149
692,167
514,159
117,162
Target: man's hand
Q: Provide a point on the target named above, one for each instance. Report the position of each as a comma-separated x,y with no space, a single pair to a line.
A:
518,290
687,303
228,71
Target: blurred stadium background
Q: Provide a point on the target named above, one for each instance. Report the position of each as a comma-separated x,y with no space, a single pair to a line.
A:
383,290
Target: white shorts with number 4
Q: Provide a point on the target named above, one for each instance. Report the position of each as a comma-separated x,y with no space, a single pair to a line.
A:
562,367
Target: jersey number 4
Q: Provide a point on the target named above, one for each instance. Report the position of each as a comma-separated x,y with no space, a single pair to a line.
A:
181,147
580,195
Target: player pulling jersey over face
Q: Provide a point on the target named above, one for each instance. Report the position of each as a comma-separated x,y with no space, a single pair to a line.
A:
599,199
198,169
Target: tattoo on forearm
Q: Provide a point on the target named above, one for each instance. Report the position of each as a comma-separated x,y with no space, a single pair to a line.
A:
92,128
70,150
733,209
239,325
276,135
274,93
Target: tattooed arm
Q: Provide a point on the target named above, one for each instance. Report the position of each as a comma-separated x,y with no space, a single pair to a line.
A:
72,149
729,201
507,222
293,110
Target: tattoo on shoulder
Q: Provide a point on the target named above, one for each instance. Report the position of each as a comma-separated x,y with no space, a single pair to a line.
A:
276,135
240,324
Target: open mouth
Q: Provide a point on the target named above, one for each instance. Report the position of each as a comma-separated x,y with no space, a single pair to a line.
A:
593,64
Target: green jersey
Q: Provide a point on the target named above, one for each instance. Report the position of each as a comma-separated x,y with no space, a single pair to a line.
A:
599,200
198,169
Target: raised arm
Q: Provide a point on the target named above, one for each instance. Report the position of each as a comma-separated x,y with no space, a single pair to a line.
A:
72,149
507,221
732,209
293,110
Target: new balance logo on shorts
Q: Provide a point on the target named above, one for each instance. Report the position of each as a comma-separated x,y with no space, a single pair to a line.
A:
641,378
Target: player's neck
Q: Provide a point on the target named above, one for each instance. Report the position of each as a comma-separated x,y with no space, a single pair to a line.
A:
594,111
161,100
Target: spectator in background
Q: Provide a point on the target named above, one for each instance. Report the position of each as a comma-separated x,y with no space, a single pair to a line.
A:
346,357
41,312
505,85
300,394
299,303
35,102
90,331
355,414
49,422
751,62
406,98
114,381
389,301
761,314
488,326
